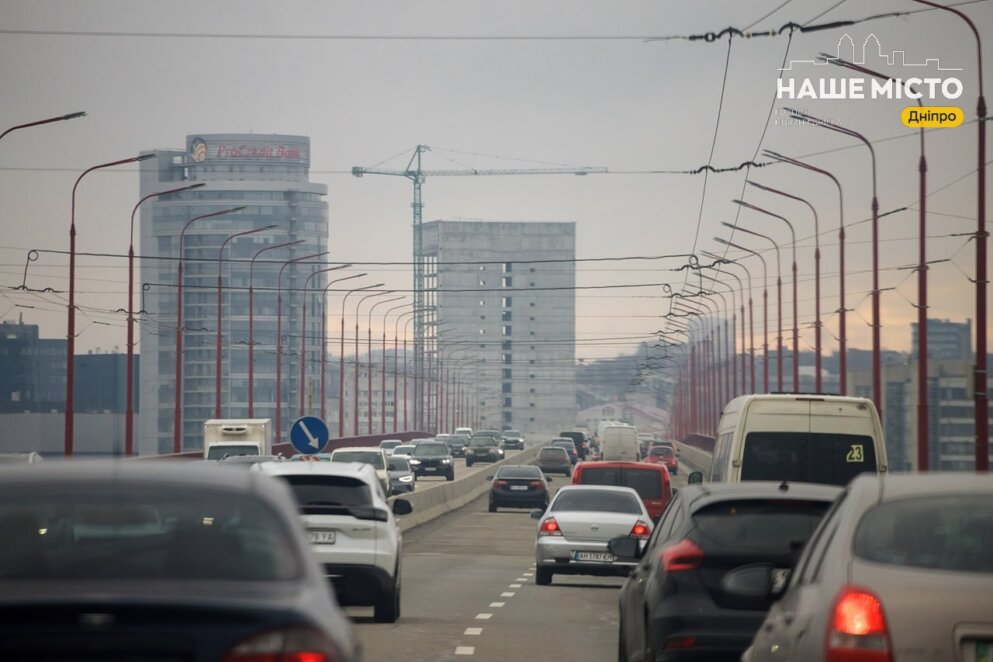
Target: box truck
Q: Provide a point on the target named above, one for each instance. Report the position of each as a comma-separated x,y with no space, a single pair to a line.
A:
225,437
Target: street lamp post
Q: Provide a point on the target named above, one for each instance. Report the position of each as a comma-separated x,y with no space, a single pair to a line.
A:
982,408
60,118
303,341
877,385
817,280
129,379
765,309
71,312
324,341
358,362
382,401
177,417
251,320
217,358
341,363
842,338
749,349
382,395
279,337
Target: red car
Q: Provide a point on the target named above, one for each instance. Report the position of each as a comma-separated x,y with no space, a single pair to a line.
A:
663,455
650,482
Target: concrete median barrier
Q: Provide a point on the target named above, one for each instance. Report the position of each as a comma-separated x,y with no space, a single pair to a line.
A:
698,459
438,499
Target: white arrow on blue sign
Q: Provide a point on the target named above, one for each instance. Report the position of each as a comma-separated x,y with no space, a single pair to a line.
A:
309,435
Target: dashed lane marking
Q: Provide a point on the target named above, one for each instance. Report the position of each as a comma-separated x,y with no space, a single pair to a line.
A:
473,632
515,586
483,617
465,650
507,594
497,604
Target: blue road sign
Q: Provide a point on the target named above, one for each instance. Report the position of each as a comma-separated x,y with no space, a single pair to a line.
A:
309,435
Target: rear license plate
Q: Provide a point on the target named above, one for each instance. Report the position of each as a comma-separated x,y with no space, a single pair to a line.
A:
596,557
430,468
321,537
519,488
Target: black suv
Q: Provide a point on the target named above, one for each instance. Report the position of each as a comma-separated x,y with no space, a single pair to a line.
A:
482,448
433,458
512,439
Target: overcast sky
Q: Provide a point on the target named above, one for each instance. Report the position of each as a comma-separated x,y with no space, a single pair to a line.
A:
583,89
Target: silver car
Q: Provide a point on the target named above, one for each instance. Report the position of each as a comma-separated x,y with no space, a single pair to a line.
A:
901,568
573,532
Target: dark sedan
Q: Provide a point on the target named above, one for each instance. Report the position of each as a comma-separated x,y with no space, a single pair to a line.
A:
483,449
570,447
136,561
678,602
518,486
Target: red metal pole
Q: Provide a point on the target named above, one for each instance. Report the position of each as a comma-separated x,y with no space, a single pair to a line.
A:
251,324
279,337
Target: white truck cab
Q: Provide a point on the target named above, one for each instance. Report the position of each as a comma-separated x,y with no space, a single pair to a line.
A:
228,437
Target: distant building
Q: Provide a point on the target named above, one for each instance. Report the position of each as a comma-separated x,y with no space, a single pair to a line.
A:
945,340
505,318
268,174
33,370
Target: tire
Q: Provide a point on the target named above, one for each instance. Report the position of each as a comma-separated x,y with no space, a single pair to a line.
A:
387,608
450,476
567,473
543,576
493,507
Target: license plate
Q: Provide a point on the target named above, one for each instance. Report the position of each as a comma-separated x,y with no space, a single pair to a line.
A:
321,537
430,468
597,557
519,488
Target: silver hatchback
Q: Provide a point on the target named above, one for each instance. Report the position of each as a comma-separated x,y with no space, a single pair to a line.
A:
901,568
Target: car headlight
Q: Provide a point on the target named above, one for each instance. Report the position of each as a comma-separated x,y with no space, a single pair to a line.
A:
415,462
406,479
446,461
469,451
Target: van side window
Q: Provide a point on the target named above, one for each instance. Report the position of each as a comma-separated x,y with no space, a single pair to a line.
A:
722,452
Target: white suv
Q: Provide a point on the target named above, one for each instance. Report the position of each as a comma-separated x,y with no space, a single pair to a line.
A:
352,530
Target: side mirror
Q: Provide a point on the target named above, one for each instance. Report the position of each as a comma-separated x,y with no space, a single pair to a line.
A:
625,547
536,514
402,507
548,478
490,477
695,477
750,581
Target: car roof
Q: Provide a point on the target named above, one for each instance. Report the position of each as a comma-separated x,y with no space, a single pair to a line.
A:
554,449
898,486
518,466
702,495
357,469
619,464
598,488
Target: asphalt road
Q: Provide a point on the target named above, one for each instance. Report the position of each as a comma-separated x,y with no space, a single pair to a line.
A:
469,594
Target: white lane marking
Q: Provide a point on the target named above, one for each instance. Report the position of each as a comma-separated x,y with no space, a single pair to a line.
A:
515,586
483,617
507,594
473,632
497,604
528,574
465,650
521,579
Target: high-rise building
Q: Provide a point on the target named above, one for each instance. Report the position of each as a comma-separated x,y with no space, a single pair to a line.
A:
268,174
33,370
502,312
946,340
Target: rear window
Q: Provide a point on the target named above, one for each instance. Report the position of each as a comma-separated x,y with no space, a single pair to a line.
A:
482,442
661,451
553,454
937,533
814,457
766,524
375,458
519,472
601,501
565,443
646,482
84,534
317,490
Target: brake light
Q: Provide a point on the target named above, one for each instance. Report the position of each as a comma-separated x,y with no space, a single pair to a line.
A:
640,530
549,528
680,643
857,630
295,645
537,484
499,483
684,555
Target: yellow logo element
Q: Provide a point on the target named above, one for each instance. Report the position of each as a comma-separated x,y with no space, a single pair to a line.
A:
932,117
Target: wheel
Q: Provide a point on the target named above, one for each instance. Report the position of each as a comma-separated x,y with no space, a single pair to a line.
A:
387,609
543,576
567,473
493,507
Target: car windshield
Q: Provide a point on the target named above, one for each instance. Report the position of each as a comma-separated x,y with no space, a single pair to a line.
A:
231,450
78,533
518,472
807,457
399,464
936,532
375,458
482,442
601,501
404,450
760,523
314,490
430,450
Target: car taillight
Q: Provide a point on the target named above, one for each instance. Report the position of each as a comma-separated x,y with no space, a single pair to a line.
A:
640,530
499,483
549,528
537,484
295,645
857,629
684,555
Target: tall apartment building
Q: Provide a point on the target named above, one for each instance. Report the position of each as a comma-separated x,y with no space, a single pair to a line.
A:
502,311
945,339
33,370
268,174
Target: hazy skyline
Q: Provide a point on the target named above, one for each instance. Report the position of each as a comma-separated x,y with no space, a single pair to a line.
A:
559,83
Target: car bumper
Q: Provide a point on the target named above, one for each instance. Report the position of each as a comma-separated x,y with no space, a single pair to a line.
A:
719,633
358,584
483,458
557,554
521,499
403,488
555,468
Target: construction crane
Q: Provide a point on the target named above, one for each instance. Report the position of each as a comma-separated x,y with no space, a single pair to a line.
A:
416,174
